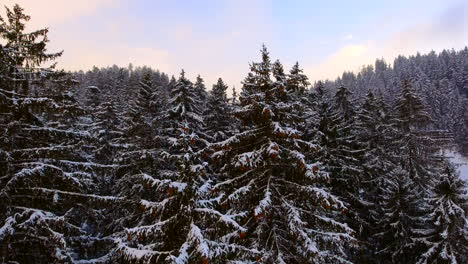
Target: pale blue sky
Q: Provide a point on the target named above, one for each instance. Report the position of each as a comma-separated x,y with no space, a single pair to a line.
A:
219,38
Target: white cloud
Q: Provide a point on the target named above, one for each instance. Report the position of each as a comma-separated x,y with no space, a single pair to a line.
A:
446,31
82,50
86,55
346,58
348,37
225,53
46,13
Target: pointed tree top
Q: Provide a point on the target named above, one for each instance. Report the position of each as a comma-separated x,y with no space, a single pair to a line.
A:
278,70
265,54
220,85
200,80
264,49
295,68
320,88
343,92
262,68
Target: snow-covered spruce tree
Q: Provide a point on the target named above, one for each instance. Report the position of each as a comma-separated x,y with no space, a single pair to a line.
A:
340,151
462,124
143,115
446,229
403,216
119,85
200,91
218,116
105,124
92,97
107,131
175,220
375,132
143,125
312,102
445,103
336,134
184,107
149,103
147,138
234,97
143,102
343,104
138,155
48,210
297,80
272,182
438,78
181,225
416,148
296,84
277,71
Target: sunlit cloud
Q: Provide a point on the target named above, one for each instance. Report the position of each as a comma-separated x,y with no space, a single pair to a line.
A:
348,57
447,31
47,13
85,56
444,32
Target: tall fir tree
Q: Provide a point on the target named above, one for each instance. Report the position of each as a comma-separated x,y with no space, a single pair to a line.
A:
47,182
234,96
107,131
340,151
463,126
375,131
402,218
177,221
297,80
153,170
200,91
446,231
218,116
272,181
416,148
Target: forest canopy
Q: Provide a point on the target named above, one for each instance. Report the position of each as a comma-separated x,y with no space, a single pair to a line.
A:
131,165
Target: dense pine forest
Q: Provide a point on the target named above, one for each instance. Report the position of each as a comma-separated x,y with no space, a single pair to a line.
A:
131,165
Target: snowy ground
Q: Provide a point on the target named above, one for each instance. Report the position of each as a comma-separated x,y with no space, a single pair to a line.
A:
461,163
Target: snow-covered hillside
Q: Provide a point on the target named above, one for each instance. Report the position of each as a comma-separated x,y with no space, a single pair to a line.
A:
461,162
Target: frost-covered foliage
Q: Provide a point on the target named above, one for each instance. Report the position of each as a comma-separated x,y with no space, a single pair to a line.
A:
336,133
49,211
376,133
218,117
401,218
127,165
122,85
272,179
415,148
200,92
463,125
439,78
177,220
445,234
340,152
185,108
